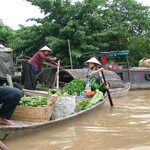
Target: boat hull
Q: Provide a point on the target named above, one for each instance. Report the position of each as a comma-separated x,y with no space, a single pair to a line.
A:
21,128
139,77
120,92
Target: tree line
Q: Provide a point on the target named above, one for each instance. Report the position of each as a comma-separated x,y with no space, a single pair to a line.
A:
88,25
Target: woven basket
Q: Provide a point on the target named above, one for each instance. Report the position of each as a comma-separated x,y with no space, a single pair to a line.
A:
32,114
35,114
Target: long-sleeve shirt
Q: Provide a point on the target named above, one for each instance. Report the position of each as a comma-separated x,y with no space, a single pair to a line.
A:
38,59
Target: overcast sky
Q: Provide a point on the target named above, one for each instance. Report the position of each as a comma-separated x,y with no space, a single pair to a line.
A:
15,12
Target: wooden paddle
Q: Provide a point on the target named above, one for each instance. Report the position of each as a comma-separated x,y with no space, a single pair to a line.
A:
109,96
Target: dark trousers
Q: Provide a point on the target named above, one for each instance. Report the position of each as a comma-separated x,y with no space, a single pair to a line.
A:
30,79
9,99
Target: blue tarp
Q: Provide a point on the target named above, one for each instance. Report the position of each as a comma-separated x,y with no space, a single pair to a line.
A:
111,53
115,53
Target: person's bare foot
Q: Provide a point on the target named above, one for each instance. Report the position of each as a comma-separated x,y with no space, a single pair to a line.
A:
6,122
3,146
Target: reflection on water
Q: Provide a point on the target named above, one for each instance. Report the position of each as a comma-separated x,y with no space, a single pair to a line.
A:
126,126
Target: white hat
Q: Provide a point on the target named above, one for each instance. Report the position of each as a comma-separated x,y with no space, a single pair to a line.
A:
45,48
93,60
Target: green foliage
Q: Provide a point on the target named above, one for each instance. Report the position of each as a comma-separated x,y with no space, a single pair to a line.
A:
96,98
56,91
75,86
84,104
33,101
6,33
4,85
90,25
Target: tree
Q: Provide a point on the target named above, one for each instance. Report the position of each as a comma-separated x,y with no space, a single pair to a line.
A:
6,33
99,25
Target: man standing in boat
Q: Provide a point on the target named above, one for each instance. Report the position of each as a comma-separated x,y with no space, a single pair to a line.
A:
34,64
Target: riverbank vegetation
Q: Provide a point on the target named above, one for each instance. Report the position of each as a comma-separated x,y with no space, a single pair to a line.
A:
90,25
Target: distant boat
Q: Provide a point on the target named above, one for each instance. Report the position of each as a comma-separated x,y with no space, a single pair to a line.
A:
139,77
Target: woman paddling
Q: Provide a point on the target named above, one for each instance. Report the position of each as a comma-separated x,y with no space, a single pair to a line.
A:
94,79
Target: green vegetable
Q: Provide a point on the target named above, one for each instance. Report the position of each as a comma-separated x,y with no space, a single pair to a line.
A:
97,97
33,101
97,84
75,86
55,91
84,104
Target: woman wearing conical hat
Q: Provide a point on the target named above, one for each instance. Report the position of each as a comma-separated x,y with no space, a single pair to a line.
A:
34,64
94,78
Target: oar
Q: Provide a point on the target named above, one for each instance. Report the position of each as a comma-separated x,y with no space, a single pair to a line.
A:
109,96
42,71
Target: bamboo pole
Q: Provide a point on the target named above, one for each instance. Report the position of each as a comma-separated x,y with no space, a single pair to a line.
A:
57,74
70,53
9,80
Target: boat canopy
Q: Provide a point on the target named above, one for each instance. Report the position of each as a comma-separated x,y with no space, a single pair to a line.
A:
111,53
115,53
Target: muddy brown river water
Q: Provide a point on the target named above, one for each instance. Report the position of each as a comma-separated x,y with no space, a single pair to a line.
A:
126,126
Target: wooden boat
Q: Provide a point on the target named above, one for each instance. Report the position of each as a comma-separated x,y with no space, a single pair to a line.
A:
118,88
67,75
120,92
138,76
21,127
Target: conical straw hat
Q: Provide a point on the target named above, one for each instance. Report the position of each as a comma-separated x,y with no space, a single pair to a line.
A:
45,48
93,60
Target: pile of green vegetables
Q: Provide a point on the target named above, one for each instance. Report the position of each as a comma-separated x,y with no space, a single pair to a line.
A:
75,86
96,98
56,91
84,104
33,101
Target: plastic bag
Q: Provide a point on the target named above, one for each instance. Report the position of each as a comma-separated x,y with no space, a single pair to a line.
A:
63,107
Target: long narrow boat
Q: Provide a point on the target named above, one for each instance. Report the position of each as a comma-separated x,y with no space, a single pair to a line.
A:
120,92
118,88
20,127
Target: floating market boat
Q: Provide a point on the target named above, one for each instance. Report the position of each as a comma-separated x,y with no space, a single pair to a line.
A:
24,127
138,76
118,88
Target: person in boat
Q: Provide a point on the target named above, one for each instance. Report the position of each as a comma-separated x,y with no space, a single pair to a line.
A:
2,43
3,146
94,79
34,64
114,67
2,46
9,99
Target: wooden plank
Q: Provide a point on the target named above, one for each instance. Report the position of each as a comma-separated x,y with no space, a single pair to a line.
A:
9,80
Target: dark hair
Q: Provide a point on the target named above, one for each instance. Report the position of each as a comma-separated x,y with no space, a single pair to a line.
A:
2,41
